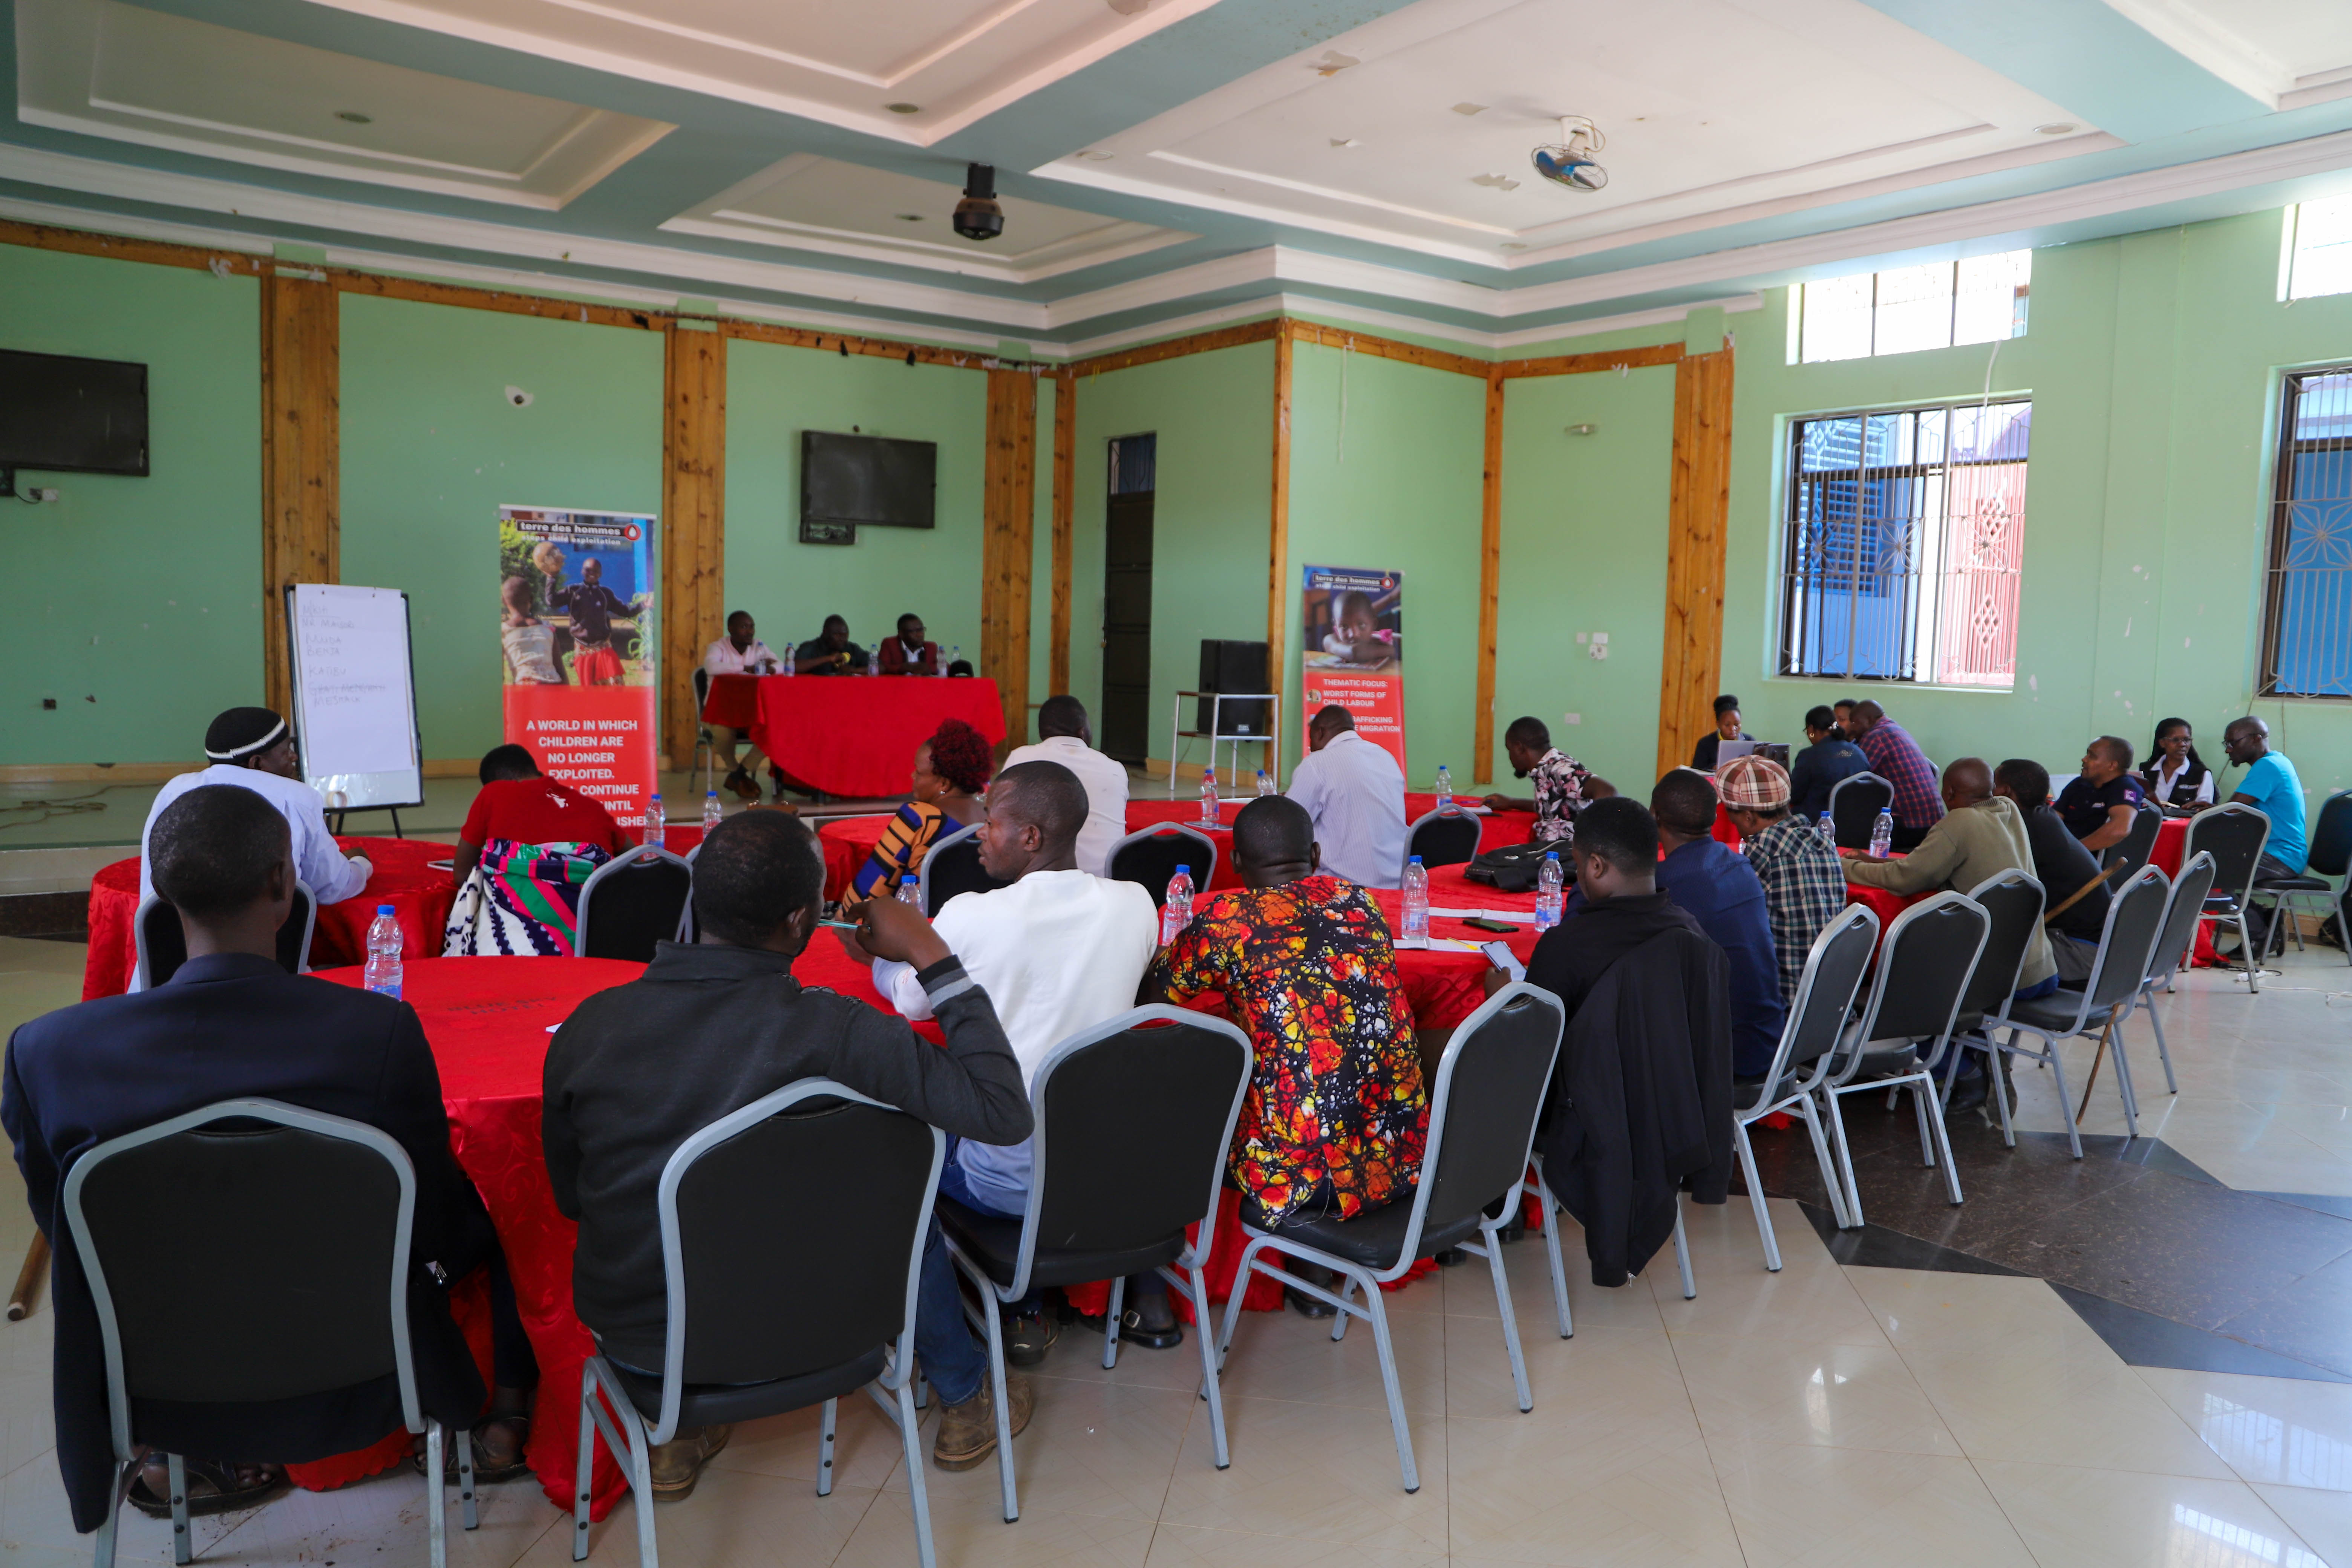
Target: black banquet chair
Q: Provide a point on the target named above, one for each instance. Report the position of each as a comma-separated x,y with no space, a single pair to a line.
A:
2014,903
2235,836
951,866
792,1234
630,902
1446,836
2131,851
314,1303
1855,802
2310,892
160,945
1148,858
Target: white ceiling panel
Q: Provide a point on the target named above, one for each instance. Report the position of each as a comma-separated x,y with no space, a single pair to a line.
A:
134,75
2284,53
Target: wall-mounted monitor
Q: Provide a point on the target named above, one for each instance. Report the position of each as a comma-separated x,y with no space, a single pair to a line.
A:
867,479
82,415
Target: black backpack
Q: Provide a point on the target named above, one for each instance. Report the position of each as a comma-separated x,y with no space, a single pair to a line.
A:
1513,868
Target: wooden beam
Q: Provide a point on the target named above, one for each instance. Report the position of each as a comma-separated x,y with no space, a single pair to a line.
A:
121,248
1177,348
693,526
1008,508
1065,455
426,291
1586,365
1389,348
301,457
1698,505
1277,551
841,343
1490,581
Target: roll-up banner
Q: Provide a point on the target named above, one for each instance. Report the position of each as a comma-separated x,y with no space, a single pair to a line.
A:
1354,653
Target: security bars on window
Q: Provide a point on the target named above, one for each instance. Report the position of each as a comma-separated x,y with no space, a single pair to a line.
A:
1902,542
2307,603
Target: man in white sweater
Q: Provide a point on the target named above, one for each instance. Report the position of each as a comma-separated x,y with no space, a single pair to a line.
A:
1066,737
1057,951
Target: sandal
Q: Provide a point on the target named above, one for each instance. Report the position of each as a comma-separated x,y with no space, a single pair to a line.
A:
211,1489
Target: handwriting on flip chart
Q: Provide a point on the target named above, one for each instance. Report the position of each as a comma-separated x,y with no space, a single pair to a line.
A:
350,659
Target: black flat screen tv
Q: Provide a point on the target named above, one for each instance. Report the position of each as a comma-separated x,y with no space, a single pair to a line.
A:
867,479
82,415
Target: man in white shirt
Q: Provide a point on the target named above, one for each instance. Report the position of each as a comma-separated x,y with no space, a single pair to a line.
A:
252,748
1354,793
1066,738
739,652
1057,951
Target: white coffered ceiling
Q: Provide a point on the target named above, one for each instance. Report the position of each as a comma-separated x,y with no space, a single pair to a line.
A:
2285,53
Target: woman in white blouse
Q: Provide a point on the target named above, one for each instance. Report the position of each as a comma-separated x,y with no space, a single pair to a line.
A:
2176,776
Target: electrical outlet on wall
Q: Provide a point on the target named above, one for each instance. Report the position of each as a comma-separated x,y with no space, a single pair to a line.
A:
1598,646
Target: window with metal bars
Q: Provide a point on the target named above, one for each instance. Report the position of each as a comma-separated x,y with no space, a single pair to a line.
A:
1902,543
2307,606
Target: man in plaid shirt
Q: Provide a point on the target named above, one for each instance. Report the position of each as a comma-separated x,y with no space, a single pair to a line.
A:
1896,757
1804,883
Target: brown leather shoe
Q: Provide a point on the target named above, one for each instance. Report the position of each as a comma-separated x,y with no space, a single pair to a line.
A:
966,1433
678,1464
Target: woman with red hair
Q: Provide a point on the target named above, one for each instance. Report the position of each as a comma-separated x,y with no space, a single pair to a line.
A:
950,770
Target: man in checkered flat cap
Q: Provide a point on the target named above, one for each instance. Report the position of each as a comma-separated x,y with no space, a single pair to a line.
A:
1804,883
253,748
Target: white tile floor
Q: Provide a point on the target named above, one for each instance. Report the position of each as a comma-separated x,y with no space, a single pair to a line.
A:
1826,1415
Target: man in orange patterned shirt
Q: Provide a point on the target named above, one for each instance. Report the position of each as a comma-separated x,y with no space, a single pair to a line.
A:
1336,1115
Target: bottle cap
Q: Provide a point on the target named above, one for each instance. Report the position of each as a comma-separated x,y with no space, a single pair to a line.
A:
383,909
1416,859
1183,871
1551,854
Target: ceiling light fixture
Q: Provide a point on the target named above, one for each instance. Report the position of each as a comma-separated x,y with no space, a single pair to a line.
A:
1344,142
1495,182
1569,161
1469,108
978,216
2056,128
355,117
904,108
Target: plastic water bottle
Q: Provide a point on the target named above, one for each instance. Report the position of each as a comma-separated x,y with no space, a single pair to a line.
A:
1882,833
384,952
654,821
1209,818
939,663
1416,905
712,811
790,668
1552,890
910,890
1266,784
1177,913
1826,831
873,660
955,656
1444,787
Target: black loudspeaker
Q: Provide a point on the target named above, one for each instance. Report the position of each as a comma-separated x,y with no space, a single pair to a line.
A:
1234,666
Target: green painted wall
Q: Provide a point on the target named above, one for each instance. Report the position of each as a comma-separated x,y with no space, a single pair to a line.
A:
772,394
431,448
1395,484
142,594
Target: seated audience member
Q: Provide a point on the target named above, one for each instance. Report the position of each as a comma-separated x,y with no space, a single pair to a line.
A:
1061,951
1727,727
739,652
2175,777
1896,757
832,652
1065,736
2272,788
528,846
1804,885
2099,804
1842,710
231,1024
252,749
1619,905
950,770
1828,758
2062,865
1336,1114
1720,889
907,652
592,608
1563,785
1354,795
529,642
732,1023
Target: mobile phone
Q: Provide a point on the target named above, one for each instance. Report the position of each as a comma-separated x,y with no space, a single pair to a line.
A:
1503,959
1482,923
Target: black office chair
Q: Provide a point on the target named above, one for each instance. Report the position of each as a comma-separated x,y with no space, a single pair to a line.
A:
1149,858
1446,836
792,1234
635,900
314,1303
951,866
2014,903
1483,1106
2331,849
161,946
1134,1118
1855,802
2131,851
2235,836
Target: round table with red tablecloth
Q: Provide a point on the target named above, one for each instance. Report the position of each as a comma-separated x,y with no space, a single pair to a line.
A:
402,876
854,736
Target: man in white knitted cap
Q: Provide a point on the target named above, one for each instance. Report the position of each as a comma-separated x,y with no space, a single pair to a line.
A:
253,748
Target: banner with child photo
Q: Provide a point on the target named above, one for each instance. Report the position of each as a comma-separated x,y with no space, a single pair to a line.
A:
1353,655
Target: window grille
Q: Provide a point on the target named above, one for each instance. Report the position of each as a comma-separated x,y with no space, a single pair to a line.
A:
2307,609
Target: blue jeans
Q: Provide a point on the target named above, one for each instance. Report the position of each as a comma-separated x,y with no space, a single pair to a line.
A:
953,1361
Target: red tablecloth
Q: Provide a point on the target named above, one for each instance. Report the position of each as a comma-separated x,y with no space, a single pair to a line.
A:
857,736
733,700
847,842
419,895
1494,828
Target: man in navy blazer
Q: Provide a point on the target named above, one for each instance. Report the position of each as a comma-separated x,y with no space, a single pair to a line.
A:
230,1023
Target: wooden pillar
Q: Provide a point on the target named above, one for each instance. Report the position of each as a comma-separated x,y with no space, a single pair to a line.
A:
1065,454
301,456
1490,581
1008,505
1697,508
693,527
1278,567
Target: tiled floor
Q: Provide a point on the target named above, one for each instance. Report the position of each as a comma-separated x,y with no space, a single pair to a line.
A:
1830,1414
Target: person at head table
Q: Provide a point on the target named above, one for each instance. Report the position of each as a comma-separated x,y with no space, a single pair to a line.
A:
2271,787
739,652
1563,786
253,748
1727,727
907,652
1065,736
951,768
1353,792
832,653
2177,778
2101,802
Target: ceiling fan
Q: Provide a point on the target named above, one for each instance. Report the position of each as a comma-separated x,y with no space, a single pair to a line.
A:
1570,161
